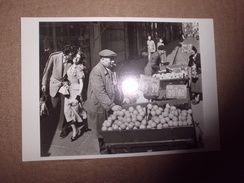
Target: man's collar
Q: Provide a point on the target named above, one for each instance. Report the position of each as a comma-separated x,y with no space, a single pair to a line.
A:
106,70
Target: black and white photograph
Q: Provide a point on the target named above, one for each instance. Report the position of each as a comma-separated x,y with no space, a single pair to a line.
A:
117,87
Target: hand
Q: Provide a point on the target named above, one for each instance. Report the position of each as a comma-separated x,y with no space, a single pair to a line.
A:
79,98
44,88
116,108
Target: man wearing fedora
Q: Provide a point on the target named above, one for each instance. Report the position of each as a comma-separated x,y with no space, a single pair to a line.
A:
101,93
153,64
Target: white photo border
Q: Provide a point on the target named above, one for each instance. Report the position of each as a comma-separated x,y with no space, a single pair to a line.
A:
30,86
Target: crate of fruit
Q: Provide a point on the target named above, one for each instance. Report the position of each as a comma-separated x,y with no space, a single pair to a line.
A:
172,75
147,122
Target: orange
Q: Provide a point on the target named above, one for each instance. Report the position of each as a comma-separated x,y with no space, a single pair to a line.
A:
122,126
176,113
139,117
184,123
104,128
133,119
110,129
153,124
120,123
175,123
149,126
120,118
175,118
149,106
165,125
108,124
180,123
159,126
128,119
131,109
113,117
158,112
170,123
124,119
162,120
135,112
171,115
183,118
138,107
142,113
167,119
189,111
131,125
127,114
161,109
115,113
142,126
137,124
109,118
189,121
157,120
115,127
155,107
144,122
150,121
153,113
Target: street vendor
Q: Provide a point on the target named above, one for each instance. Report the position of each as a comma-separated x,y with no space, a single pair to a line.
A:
101,93
156,60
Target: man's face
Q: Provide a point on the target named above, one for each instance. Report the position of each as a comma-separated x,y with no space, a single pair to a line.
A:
70,56
107,61
149,37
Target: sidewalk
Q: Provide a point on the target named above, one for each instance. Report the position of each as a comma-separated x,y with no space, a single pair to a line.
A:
53,145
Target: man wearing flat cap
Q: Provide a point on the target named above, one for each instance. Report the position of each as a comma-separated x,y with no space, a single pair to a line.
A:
153,64
101,92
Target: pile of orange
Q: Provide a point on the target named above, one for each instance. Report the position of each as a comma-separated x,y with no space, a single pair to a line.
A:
150,117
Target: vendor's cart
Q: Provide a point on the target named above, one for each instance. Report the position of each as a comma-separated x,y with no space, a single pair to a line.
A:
148,140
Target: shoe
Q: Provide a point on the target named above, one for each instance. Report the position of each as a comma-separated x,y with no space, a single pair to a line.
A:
76,136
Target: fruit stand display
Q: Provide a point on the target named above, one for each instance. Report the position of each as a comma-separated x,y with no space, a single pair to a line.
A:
174,74
157,126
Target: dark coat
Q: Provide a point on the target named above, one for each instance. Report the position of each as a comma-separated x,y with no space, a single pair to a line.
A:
153,64
100,96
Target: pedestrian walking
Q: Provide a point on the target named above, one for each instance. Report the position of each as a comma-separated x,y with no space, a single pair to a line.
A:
55,69
72,90
151,48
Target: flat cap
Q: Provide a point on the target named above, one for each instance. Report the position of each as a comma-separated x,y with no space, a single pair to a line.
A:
107,53
161,47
